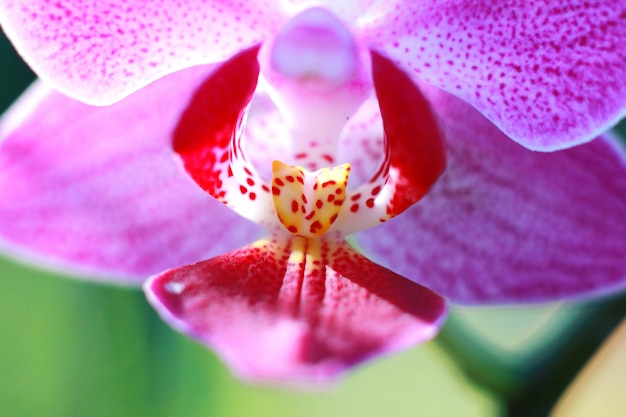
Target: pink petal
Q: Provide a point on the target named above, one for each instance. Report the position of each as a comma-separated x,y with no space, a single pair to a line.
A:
274,319
97,191
550,74
505,224
101,51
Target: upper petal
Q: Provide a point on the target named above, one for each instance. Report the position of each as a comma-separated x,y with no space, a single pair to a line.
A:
96,190
275,311
101,51
505,224
549,74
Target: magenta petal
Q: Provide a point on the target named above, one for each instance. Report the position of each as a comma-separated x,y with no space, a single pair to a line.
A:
550,73
416,151
505,224
101,51
96,190
274,319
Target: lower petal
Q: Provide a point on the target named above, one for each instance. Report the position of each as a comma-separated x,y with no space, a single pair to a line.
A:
505,224
270,316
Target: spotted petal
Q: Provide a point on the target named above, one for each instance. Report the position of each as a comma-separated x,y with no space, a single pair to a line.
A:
96,190
550,74
275,310
101,51
208,139
505,224
414,154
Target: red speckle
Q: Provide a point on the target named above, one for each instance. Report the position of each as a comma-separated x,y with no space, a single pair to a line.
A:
252,196
290,178
294,206
354,208
243,189
370,202
316,225
275,190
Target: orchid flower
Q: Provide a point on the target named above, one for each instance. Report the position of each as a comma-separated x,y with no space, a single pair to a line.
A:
315,149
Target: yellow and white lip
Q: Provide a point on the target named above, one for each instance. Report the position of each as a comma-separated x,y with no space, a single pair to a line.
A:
308,203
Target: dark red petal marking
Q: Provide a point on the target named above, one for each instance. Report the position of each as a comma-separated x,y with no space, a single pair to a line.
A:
203,135
415,146
303,309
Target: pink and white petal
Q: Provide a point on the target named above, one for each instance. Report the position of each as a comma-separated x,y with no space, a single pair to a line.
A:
266,135
362,143
505,224
101,51
549,74
274,314
95,190
414,152
208,138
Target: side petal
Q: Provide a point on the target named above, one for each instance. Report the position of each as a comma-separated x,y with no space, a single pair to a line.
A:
505,224
414,152
101,51
208,139
549,74
95,190
275,314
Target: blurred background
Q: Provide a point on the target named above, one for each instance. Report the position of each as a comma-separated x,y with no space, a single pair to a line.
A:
70,348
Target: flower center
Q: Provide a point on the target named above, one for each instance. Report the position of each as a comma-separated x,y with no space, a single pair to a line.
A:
308,203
